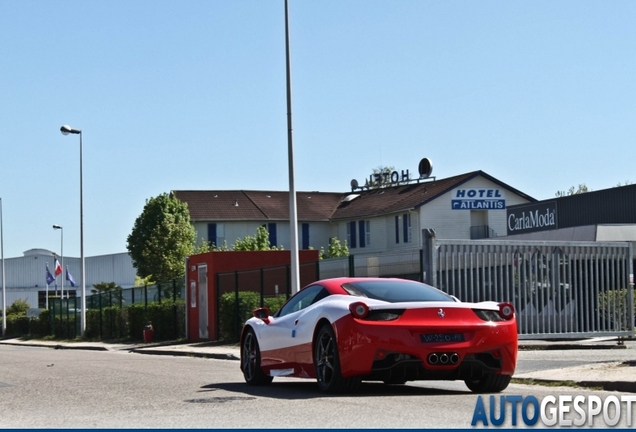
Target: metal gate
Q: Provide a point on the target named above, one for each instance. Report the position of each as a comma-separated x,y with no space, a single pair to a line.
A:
559,289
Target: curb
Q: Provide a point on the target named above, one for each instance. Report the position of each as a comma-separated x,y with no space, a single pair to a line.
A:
220,356
620,386
58,346
569,347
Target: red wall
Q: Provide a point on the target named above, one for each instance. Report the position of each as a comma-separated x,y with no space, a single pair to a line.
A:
228,261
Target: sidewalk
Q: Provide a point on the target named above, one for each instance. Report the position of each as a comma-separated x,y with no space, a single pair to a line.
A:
611,376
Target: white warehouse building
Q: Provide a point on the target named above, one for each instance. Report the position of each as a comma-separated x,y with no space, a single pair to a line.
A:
26,275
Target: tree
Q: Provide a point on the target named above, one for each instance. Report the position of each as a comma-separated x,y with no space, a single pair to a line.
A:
259,242
203,246
335,249
102,287
18,307
139,281
162,238
572,191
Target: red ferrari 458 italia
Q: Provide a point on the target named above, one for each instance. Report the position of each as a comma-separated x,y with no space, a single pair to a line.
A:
346,330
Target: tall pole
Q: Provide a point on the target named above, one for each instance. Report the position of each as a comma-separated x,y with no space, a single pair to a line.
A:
67,130
62,258
58,227
293,212
4,292
83,322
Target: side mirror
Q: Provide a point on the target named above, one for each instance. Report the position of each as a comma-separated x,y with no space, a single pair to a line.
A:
263,314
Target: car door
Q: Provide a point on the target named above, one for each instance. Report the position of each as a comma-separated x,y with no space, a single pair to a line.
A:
281,343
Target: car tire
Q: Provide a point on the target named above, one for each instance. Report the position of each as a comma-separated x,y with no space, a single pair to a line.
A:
489,383
327,364
251,361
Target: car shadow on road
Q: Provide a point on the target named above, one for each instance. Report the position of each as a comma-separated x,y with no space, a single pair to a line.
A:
307,389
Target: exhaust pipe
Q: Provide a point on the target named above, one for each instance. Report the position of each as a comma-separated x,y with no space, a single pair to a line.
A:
432,358
454,358
443,359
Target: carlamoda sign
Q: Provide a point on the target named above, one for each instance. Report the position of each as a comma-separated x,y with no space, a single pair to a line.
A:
532,217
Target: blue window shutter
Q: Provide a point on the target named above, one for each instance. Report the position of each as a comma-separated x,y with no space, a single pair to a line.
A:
352,229
305,236
405,225
363,237
212,233
271,229
397,229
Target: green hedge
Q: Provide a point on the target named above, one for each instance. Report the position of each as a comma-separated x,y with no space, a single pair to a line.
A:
163,316
230,327
17,325
616,300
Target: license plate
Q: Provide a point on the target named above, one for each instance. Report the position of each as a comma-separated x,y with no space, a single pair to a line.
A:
442,337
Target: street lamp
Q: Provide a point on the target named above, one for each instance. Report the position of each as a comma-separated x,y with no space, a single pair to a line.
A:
293,211
4,292
58,227
65,131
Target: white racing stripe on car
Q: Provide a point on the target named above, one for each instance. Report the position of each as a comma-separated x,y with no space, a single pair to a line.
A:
281,372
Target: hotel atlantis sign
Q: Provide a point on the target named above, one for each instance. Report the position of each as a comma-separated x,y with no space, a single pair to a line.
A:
532,218
478,199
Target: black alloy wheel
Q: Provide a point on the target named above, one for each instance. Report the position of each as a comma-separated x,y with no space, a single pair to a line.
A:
251,361
327,363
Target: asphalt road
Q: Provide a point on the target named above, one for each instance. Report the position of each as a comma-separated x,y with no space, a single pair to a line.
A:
48,388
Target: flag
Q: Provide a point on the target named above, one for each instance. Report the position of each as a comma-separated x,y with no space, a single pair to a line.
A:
58,268
69,277
49,277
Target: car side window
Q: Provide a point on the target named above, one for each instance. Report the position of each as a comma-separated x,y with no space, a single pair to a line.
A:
303,299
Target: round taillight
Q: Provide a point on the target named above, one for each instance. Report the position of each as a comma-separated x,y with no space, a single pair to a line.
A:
506,310
359,309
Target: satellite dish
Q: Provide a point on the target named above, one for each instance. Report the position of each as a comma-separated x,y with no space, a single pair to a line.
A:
425,168
354,184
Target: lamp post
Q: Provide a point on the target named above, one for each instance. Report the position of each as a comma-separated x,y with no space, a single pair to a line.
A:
293,212
65,131
4,292
58,227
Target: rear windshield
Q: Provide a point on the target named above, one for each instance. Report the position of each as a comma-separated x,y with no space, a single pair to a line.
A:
395,291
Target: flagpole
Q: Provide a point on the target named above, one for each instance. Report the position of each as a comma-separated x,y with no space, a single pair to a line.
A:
47,287
58,227
4,292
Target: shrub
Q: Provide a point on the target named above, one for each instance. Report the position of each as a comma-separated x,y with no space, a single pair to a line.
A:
17,325
41,325
612,305
168,319
114,323
232,316
19,307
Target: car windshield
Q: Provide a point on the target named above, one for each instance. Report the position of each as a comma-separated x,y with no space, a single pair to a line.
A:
395,291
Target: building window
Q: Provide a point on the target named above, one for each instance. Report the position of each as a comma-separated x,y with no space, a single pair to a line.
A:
351,234
216,234
359,234
55,293
271,229
406,228
305,236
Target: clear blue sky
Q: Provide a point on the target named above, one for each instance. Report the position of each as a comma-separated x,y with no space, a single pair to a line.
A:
175,95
